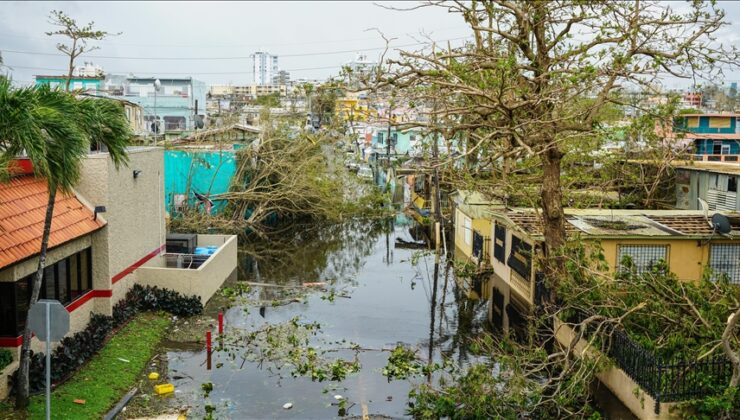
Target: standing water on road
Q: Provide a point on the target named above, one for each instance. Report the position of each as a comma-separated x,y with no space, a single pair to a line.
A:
312,320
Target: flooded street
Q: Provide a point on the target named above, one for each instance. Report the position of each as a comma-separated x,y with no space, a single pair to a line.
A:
374,297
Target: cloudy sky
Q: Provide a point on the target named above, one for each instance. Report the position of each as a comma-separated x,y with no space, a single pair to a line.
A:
212,41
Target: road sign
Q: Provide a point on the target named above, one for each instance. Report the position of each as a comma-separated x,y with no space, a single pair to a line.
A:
58,320
50,322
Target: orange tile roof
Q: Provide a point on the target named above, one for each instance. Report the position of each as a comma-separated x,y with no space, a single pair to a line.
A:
22,211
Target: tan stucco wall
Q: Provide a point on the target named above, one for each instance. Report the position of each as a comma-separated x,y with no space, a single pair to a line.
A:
203,281
29,266
134,212
622,386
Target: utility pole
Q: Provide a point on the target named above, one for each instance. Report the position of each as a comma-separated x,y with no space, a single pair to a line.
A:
388,140
435,181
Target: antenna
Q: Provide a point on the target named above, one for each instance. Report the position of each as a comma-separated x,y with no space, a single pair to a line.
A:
721,224
705,209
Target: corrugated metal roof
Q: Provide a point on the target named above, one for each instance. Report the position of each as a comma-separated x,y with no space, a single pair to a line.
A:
22,210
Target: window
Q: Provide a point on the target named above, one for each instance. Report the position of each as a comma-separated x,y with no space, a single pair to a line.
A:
64,281
725,149
520,258
732,184
380,138
717,148
724,259
499,243
468,230
643,257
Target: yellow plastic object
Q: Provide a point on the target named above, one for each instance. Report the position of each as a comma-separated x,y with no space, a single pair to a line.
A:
153,376
164,388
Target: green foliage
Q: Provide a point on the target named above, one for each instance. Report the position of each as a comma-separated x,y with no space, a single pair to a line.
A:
723,406
6,358
678,319
271,101
402,363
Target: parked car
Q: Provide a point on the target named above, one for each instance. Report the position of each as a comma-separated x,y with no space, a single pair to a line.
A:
365,172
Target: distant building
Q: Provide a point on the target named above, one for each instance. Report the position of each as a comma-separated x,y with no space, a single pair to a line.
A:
715,183
264,67
178,105
88,78
361,64
282,78
714,137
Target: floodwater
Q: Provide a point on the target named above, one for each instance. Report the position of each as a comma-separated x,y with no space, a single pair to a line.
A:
376,295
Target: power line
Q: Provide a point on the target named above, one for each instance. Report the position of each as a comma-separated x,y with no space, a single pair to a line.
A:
231,57
178,73
211,45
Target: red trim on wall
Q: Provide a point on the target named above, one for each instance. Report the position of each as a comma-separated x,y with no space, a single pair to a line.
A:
17,341
130,269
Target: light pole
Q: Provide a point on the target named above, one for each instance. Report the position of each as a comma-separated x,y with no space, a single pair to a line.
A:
157,85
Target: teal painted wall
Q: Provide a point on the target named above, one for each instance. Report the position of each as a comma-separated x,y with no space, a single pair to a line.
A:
210,170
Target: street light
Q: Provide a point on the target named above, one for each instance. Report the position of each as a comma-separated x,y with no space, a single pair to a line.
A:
157,85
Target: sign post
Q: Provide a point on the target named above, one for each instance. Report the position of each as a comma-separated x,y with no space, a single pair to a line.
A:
49,321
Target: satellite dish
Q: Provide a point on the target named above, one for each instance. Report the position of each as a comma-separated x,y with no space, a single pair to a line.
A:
721,224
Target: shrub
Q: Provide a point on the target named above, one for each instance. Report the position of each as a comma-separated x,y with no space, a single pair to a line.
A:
75,350
6,357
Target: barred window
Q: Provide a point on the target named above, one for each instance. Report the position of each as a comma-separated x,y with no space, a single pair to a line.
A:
724,259
643,257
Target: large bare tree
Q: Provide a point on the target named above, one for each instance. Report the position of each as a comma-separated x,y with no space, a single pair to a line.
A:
538,74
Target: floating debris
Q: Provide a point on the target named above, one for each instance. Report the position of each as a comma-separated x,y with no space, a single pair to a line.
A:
288,406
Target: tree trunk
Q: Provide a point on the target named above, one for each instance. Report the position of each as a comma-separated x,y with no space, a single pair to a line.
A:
552,214
21,399
71,63
727,339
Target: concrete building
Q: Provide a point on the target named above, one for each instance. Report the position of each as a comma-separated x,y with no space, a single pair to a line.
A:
264,68
107,235
715,183
714,137
87,84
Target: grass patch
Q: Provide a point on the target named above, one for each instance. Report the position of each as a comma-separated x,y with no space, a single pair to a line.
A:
105,379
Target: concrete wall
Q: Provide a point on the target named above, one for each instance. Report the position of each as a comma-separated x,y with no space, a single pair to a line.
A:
134,212
619,383
203,281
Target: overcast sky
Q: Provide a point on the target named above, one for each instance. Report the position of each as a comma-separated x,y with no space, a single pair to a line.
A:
312,39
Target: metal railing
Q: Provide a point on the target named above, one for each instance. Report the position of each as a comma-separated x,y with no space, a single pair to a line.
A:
716,158
665,381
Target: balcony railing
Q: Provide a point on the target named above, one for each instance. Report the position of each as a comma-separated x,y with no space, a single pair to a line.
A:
716,158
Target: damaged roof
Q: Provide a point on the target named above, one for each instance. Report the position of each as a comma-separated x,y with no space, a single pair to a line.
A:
23,203
605,223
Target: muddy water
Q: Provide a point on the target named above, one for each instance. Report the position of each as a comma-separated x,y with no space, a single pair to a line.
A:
376,295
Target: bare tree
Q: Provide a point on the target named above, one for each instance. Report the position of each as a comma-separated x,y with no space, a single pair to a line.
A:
537,75
78,36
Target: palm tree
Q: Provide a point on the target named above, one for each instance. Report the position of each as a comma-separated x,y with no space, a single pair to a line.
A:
55,130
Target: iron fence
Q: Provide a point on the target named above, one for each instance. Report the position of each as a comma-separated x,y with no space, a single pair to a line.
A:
665,381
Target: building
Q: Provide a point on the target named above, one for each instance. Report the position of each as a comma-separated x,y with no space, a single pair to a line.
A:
714,137
178,105
282,78
134,113
106,236
264,68
87,84
683,239
714,183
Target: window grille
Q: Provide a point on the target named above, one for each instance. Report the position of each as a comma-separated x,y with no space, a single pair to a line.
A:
643,257
724,259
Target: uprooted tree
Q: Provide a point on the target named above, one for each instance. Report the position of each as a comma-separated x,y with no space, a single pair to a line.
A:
538,74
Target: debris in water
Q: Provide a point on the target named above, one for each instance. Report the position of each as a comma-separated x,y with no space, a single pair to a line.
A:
262,311
288,406
338,397
314,284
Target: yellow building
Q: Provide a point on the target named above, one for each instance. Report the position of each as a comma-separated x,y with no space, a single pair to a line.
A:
684,239
472,223
353,109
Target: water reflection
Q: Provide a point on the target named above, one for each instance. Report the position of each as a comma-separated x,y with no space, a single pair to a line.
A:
374,299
